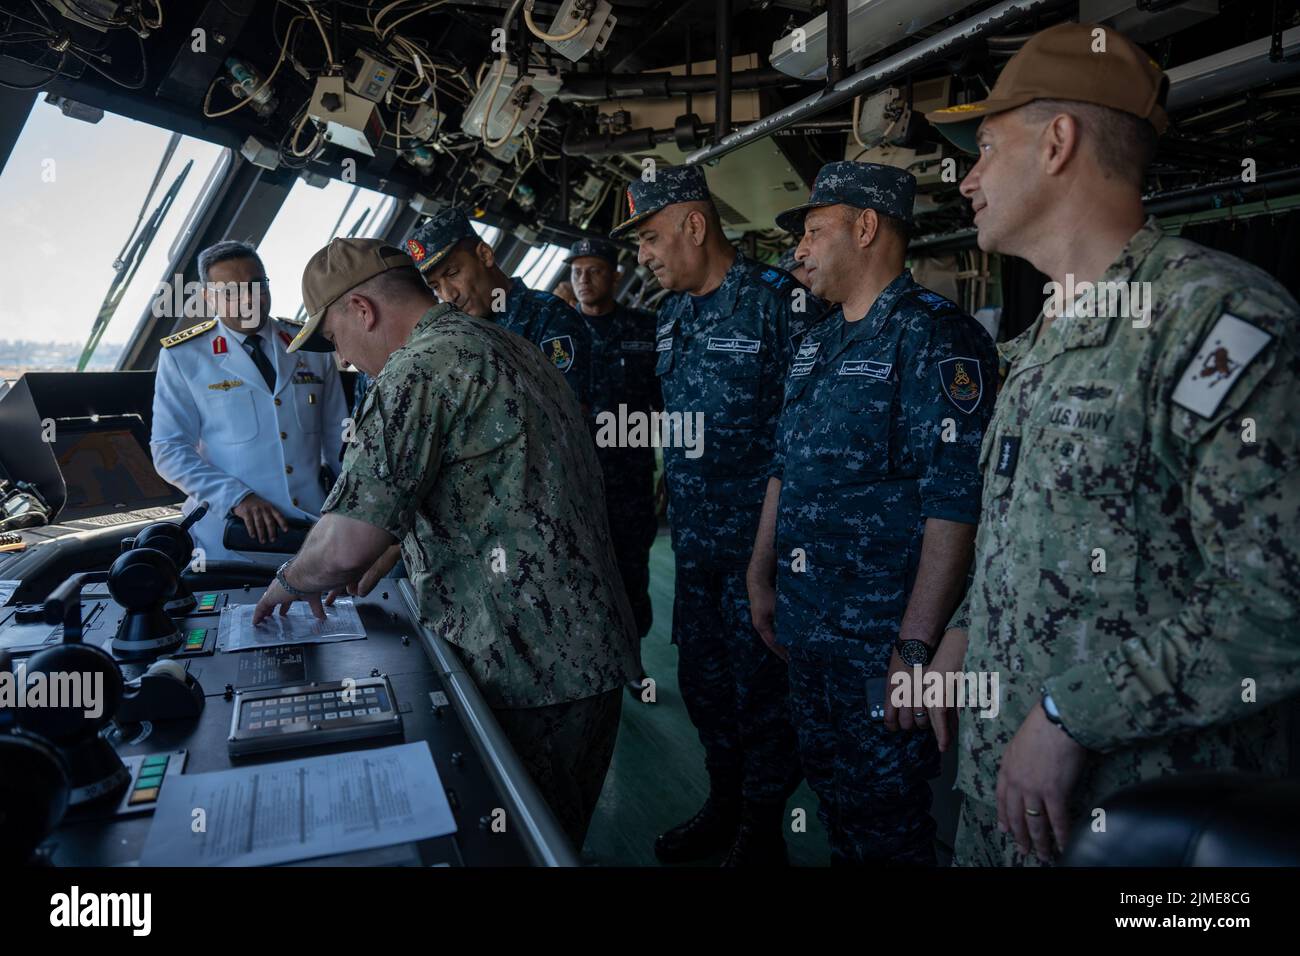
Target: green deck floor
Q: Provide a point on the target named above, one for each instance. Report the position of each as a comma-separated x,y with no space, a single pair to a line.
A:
657,777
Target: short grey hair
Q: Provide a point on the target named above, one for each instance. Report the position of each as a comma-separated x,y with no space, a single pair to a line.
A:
1124,144
224,251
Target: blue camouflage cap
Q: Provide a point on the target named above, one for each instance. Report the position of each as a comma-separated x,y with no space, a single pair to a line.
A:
886,189
671,184
434,238
600,248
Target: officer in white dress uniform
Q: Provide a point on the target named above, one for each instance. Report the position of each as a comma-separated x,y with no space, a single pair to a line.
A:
246,432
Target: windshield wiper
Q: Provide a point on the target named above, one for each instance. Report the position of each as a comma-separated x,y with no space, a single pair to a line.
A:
133,252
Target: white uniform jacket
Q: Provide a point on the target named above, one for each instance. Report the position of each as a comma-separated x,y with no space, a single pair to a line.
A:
220,434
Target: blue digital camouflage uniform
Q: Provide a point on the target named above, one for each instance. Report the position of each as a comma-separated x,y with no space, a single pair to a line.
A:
725,355
864,462
881,431
541,318
623,373
550,323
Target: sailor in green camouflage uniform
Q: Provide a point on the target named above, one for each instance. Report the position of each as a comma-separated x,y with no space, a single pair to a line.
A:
471,451
1135,579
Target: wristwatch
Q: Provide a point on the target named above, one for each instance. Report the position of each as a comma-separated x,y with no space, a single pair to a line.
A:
284,581
914,653
1049,708
1054,715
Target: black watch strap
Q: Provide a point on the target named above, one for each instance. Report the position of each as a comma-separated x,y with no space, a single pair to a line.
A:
914,653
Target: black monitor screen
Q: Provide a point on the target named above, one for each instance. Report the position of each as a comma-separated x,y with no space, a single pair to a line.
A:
106,468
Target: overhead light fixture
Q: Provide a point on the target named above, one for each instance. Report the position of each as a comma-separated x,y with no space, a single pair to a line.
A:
872,26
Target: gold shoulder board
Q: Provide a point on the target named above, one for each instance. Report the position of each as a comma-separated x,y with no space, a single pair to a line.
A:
186,334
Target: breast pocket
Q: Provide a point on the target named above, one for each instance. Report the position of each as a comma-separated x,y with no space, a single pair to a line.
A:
664,365
1086,539
852,428
307,405
231,417
734,389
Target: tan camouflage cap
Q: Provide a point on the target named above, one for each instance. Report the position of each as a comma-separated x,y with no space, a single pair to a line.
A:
333,272
1085,62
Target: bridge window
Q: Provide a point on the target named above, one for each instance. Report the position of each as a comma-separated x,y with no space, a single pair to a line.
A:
310,217
540,266
92,211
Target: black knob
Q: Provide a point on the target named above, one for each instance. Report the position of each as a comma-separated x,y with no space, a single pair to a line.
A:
172,540
142,579
30,614
93,701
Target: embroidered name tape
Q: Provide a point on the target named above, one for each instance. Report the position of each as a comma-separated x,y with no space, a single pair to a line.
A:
749,346
638,346
866,367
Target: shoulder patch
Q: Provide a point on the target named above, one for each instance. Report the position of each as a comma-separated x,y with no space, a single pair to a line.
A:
935,301
776,278
962,382
1223,355
559,349
186,334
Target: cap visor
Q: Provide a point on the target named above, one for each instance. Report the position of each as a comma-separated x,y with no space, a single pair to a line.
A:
960,123
962,135
792,219
627,225
590,255
430,261
309,339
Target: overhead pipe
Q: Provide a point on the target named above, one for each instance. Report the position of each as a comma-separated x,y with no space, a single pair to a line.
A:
575,232
924,52
610,144
722,68
837,42
1239,68
625,86
1224,193
564,186
690,62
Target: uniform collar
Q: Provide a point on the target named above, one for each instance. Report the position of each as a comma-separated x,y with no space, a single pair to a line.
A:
1074,332
884,305
515,293
724,296
427,321
242,337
